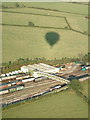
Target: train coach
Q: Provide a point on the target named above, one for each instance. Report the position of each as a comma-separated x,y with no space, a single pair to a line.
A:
11,89
5,85
8,84
30,79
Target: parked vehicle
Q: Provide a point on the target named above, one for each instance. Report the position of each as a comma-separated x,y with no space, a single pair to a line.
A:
19,88
28,79
3,92
12,89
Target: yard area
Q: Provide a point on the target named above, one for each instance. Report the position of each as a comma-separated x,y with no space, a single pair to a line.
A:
65,104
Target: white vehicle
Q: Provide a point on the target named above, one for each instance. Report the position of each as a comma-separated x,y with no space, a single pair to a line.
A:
57,87
28,80
3,92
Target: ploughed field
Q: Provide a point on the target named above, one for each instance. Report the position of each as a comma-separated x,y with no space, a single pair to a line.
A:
20,40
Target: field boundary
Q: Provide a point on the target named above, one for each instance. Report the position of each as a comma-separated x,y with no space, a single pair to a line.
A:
33,14
65,18
81,3
45,9
68,23
44,28
33,26
41,15
56,10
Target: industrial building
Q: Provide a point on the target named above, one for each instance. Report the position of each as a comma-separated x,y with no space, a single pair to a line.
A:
20,85
40,67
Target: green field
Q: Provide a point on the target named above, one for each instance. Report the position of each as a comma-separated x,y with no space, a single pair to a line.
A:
25,41
86,86
38,20
60,105
67,7
30,42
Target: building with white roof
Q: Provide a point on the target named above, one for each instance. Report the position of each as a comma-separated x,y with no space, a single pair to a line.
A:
24,69
40,67
43,70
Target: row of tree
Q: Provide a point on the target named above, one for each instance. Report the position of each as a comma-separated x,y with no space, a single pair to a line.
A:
16,5
14,65
77,87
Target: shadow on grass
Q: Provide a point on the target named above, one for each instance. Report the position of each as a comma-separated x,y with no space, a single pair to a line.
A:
52,38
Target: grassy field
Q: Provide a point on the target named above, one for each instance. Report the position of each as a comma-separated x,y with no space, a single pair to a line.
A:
85,86
38,20
60,105
66,7
77,22
31,42
23,42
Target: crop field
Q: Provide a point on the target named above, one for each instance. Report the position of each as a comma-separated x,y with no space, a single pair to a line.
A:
59,105
67,21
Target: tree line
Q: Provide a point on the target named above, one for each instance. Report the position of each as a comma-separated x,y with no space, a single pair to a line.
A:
15,65
77,87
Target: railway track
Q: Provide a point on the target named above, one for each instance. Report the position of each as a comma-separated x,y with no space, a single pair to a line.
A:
76,73
29,91
26,89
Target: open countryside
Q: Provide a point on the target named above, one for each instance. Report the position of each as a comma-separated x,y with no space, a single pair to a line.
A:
71,26
45,70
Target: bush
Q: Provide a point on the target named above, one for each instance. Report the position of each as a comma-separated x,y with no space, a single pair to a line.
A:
75,85
66,27
31,24
3,6
17,5
86,32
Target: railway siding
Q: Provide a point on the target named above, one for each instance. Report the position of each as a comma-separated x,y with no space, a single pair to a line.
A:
30,92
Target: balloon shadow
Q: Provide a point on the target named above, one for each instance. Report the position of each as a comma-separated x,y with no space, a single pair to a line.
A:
52,38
